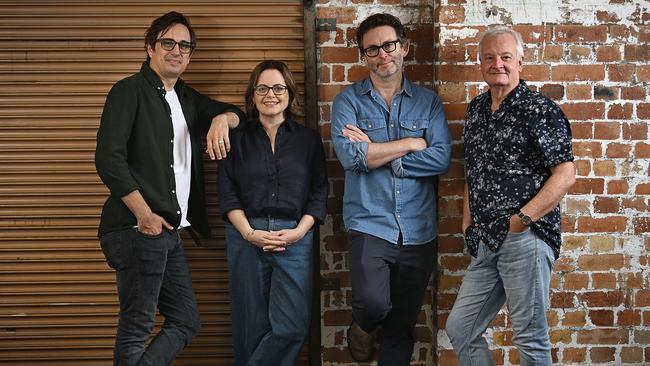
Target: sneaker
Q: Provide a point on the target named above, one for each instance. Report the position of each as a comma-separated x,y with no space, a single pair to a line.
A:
360,343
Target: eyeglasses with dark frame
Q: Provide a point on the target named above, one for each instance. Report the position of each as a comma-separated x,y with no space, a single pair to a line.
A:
168,44
388,47
262,90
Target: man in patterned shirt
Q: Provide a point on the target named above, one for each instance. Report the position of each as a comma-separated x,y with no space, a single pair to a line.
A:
519,165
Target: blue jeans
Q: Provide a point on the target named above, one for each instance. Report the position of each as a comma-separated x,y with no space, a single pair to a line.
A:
518,274
270,295
151,273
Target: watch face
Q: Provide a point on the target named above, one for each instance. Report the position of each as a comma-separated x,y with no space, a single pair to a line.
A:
525,219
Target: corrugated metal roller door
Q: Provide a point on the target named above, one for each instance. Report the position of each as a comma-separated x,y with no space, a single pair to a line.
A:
58,302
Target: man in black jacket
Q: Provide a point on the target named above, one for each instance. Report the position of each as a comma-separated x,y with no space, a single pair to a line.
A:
148,155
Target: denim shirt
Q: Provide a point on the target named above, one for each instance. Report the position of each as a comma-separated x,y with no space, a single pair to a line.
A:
401,197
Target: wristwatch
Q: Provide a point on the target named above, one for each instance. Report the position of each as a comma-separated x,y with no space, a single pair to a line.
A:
525,219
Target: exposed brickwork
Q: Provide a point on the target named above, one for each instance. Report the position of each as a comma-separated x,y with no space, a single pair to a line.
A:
595,62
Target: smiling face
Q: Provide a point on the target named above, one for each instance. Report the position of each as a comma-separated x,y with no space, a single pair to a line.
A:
384,65
271,107
500,63
169,65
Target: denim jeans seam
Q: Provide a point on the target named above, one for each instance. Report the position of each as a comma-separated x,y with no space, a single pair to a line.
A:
473,327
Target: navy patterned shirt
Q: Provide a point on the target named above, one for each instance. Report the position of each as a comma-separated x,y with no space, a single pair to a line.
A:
508,155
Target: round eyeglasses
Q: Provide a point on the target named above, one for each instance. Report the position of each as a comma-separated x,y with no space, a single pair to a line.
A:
168,44
262,89
388,47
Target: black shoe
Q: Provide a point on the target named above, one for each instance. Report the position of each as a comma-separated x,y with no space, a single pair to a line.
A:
360,343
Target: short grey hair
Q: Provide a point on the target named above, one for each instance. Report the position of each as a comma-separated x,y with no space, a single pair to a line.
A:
498,30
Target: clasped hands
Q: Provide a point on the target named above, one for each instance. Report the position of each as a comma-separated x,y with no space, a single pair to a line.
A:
274,241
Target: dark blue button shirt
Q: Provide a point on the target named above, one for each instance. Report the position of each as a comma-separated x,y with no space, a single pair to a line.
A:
290,182
509,154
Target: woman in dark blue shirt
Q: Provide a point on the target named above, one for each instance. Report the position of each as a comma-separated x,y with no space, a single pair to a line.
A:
272,190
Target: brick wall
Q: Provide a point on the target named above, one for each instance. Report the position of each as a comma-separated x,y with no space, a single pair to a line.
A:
593,58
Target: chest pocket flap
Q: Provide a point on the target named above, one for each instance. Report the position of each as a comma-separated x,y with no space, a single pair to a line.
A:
413,127
371,124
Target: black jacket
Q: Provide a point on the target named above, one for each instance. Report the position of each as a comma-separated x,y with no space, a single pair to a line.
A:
135,149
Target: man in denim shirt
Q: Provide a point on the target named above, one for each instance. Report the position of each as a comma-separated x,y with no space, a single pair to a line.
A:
392,139
519,166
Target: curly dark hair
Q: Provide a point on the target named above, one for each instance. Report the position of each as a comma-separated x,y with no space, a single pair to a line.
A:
378,20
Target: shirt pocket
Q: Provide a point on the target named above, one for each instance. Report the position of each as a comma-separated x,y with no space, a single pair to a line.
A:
413,127
374,128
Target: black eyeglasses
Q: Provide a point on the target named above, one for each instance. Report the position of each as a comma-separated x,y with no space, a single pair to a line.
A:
168,44
264,89
388,47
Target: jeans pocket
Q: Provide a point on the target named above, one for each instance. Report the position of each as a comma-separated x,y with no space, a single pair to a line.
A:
151,253
111,244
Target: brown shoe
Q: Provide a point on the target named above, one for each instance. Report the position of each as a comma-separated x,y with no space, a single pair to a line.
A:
360,343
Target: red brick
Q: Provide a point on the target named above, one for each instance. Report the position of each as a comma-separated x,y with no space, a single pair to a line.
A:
643,188
632,279
323,74
620,111
601,262
643,110
607,130
637,52
326,93
642,298
588,186
635,131
446,282
643,73
450,14
584,111
578,73
642,150
616,150
629,317
587,149
458,73
619,33
607,204
451,53
582,130
337,318
447,358
357,73
343,15
339,55
574,355
607,17
602,299
602,354
455,263
338,73
604,281
553,91
614,224
632,355
553,53
579,53
455,111
579,92
536,72
575,318
604,168
601,318
641,225
617,186
633,93
576,281
422,73
583,167
608,53
580,33
451,92
620,72
563,299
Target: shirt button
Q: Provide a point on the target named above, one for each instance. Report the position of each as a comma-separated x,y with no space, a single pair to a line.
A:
174,191
171,166
178,212
414,126
369,126
399,215
392,125
397,192
172,141
272,194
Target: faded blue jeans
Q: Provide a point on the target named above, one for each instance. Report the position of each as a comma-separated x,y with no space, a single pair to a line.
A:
270,296
518,274
152,273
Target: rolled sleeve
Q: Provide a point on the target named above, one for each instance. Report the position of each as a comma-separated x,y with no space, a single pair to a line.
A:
352,155
228,191
317,199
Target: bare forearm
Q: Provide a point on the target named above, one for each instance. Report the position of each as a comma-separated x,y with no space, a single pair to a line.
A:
240,222
136,204
382,153
467,216
557,185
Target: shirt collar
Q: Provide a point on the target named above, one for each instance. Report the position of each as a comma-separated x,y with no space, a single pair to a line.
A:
155,81
288,124
514,97
365,87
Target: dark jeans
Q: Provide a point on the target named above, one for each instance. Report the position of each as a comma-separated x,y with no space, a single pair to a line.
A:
270,295
152,273
388,284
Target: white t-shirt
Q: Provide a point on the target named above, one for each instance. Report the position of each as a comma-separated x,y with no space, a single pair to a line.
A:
182,154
